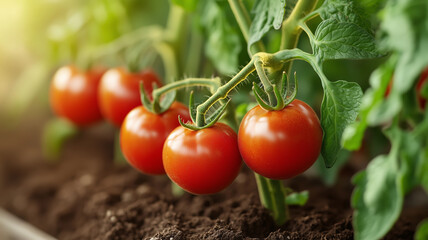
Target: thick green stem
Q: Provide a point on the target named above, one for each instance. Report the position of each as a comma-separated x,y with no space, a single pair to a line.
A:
170,49
194,54
263,187
291,29
278,197
222,92
169,59
272,196
244,22
264,79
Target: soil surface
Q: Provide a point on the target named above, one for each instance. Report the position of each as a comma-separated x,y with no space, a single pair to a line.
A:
85,196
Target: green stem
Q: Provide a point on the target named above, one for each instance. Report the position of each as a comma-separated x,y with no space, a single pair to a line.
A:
308,31
244,22
264,79
278,197
222,92
169,59
263,187
194,54
291,30
273,197
269,60
213,83
175,37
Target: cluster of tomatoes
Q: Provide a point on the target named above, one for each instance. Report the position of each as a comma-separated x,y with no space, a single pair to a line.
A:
275,144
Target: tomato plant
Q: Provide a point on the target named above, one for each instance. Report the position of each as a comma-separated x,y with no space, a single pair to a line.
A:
73,95
280,144
203,161
119,92
143,134
281,138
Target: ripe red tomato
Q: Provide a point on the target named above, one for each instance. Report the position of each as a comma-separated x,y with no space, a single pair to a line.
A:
422,80
73,95
143,134
204,161
119,92
280,144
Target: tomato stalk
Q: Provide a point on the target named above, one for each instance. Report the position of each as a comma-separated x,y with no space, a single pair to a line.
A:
159,104
243,18
291,30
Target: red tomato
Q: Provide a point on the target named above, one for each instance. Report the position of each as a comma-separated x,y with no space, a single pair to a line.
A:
280,144
422,80
204,161
119,92
143,134
73,95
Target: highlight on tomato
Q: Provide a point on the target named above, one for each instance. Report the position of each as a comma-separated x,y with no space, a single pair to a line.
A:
73,95
143,134
280,144
119,92
202,161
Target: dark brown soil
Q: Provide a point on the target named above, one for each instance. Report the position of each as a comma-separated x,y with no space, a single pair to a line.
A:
84,196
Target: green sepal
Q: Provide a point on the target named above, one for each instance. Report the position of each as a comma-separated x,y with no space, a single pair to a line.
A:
188,125
258,93
192,107
210,121
144,98
279,99
213,118
167,100
284,95
290,93
154,106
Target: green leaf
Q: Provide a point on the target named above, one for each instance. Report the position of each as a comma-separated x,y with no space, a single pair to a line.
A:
267,14
422,231
296,198
339,108
188,5
377,199
353,134
223,40
345,11
343,40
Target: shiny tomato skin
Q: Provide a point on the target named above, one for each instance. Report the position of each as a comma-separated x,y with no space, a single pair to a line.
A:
73,95
119,92
143,134
423,79
204,161
280,144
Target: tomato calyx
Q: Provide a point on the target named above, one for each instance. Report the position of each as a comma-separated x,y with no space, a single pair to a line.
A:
209,121
284,95
157,106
